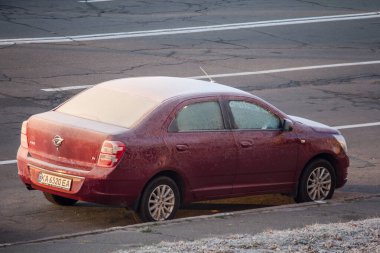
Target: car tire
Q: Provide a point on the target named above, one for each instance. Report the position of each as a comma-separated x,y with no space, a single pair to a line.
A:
58,200
160,200
317,182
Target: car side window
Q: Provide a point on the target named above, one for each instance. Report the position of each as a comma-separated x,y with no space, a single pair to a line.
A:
198,117
251,116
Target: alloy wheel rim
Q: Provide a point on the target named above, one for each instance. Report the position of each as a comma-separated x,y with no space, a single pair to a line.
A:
319,184
161,202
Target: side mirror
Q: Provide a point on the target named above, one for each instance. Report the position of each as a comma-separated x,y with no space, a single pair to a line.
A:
287,125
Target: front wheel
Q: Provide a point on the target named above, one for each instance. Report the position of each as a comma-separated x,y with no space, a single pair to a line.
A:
58,200
317,182
160,200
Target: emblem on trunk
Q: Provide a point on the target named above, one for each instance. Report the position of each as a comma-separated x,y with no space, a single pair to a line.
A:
57,141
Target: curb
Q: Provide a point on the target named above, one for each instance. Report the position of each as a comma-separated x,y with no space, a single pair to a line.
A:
288,207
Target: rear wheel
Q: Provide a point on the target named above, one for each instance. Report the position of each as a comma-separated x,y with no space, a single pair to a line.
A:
58,200
317,182
160,200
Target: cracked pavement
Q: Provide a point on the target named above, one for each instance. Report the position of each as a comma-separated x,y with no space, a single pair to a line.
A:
338,96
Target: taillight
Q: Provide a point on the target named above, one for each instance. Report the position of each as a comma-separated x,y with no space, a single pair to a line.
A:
24,134
111,153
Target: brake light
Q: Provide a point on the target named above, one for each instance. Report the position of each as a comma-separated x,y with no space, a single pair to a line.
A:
24,134
111,153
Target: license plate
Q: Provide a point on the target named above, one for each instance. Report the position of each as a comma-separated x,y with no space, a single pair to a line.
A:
58,182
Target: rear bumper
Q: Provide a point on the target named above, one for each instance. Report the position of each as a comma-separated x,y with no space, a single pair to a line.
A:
99,185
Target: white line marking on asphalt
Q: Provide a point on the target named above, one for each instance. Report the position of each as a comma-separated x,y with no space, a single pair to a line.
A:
196,29
243,73
8,162
68,88
336,127
358,125
94,1
289,69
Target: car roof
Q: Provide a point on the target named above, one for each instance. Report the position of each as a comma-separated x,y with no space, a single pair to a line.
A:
161,88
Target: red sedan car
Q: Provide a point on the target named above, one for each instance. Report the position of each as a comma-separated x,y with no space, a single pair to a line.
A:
154,143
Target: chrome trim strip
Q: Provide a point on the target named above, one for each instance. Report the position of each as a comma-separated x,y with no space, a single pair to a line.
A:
31,160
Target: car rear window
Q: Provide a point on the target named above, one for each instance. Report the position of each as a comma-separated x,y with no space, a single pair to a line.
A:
109,106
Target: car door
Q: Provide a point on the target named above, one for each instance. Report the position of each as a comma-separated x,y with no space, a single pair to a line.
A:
267,154
202,148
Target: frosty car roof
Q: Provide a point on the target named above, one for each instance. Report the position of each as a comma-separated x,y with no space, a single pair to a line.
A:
136,96
162,88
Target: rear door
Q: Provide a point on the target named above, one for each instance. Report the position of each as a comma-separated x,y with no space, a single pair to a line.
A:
267,154
202,148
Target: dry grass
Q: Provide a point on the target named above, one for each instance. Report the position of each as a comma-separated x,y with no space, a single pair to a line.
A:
352,237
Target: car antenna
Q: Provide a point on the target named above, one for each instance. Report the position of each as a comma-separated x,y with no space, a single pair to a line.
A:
209,77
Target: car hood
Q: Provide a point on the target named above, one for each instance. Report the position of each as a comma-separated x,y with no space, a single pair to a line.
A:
316,126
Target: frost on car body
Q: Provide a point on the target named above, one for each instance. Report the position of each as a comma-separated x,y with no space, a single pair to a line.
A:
153,143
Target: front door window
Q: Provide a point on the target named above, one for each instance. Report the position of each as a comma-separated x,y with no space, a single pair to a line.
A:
251,116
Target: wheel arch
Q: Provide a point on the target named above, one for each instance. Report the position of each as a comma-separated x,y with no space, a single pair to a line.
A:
170,173
325,156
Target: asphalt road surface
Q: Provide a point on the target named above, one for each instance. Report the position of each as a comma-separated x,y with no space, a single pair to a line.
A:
287,52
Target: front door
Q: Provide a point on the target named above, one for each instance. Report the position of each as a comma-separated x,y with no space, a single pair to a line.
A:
267,154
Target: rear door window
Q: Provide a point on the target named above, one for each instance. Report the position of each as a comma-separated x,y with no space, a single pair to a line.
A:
200,116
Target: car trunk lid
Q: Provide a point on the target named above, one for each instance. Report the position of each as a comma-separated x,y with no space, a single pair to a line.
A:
66,140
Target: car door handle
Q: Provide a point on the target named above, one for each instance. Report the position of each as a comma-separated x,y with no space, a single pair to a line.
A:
182,147
246,144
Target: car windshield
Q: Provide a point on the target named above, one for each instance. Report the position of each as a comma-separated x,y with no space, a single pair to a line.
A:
110,106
